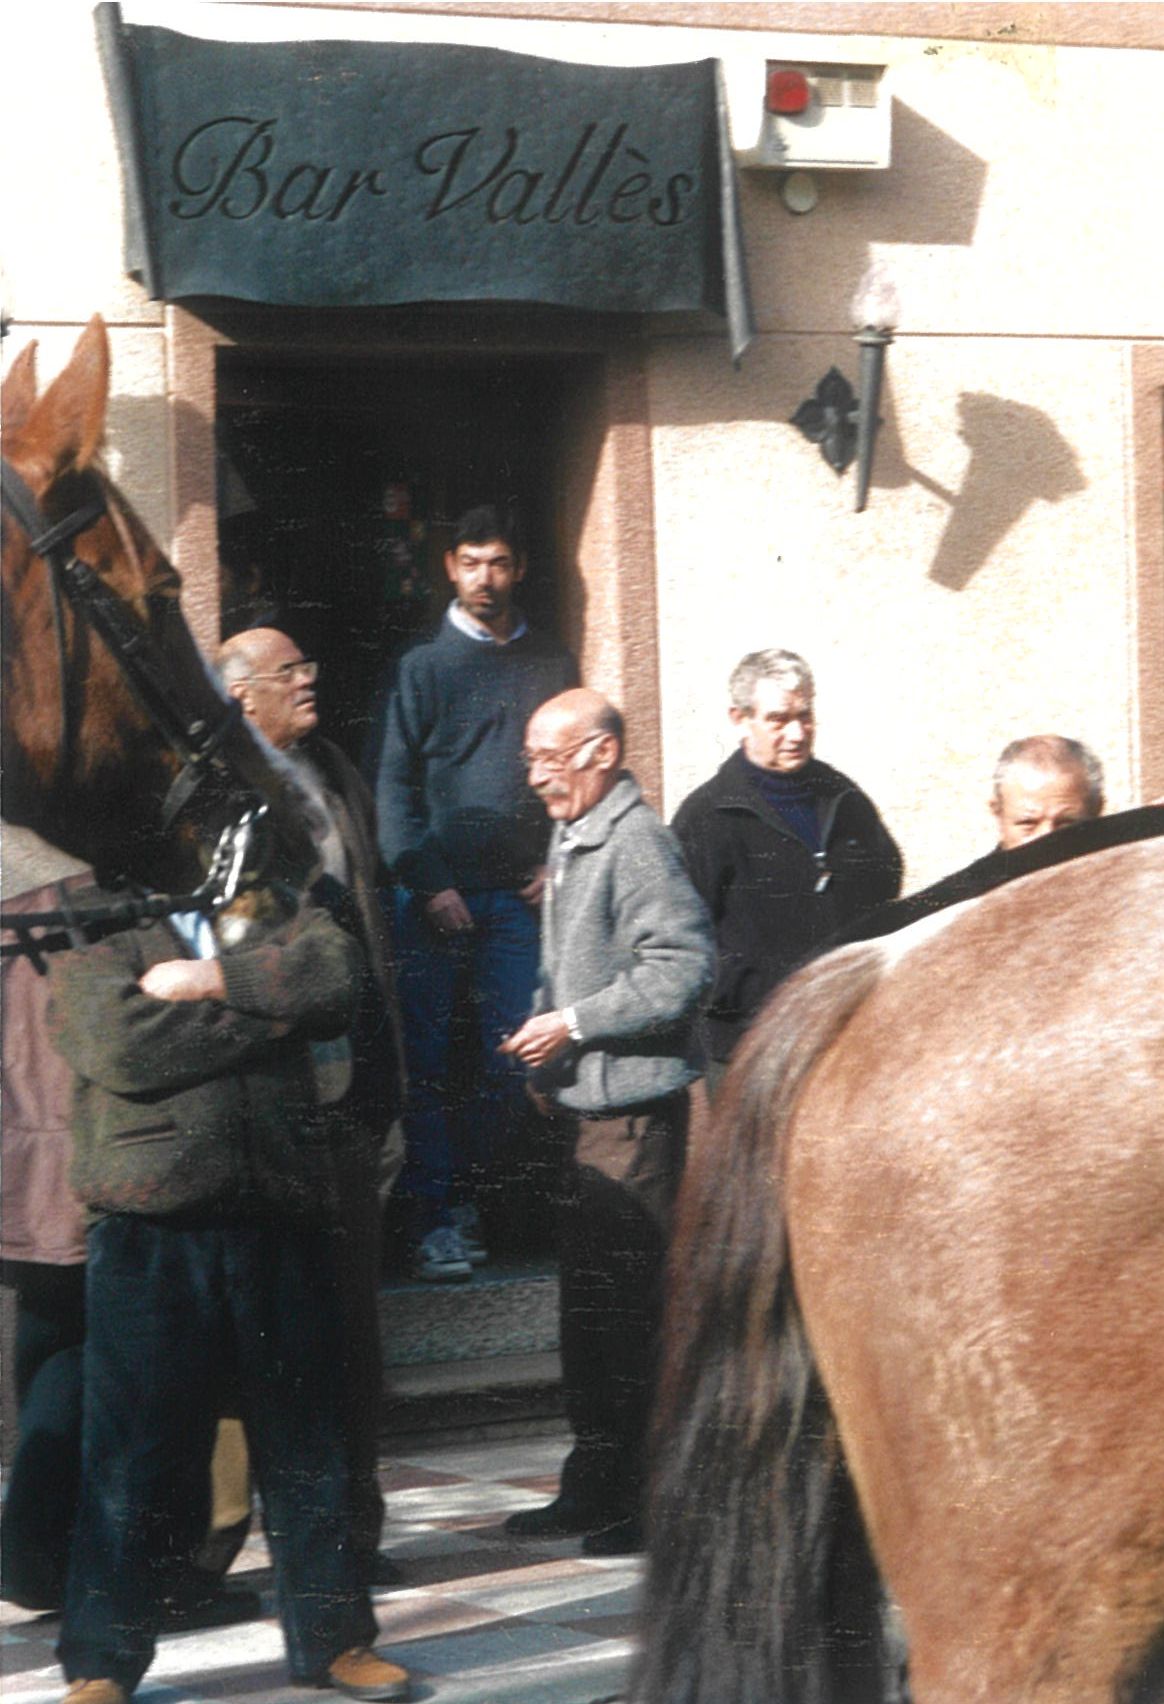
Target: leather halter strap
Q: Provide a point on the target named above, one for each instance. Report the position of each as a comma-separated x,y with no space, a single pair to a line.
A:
141,661
73,925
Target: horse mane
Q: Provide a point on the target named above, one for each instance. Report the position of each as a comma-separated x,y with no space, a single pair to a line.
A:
751,1575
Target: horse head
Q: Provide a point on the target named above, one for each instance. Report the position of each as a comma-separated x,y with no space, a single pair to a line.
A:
96,760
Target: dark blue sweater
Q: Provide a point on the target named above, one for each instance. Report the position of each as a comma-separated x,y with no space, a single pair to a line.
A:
452,800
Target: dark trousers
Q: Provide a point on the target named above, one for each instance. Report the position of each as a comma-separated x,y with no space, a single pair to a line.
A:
41,1499
494,964
614,1224
354,1258
174,1314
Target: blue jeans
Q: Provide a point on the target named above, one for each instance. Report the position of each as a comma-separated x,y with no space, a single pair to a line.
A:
496,964
172,1314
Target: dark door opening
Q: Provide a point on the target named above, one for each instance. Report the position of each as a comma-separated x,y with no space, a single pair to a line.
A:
338,487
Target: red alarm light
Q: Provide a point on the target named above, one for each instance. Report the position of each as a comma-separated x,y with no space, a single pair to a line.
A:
786,91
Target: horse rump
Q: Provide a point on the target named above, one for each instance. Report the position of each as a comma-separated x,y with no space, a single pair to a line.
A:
760,1583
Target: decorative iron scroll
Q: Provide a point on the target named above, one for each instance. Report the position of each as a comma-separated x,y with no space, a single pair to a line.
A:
338,173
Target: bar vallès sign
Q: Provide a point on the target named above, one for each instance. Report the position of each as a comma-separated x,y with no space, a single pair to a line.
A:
335,173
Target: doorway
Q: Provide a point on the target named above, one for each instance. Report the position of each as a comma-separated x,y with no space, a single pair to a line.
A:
339,482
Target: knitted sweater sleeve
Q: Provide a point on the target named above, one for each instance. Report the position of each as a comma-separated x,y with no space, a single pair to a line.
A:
407,844
665,934
306,980
114,1034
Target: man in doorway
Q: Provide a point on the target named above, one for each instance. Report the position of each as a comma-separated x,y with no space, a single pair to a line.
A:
627,951
275,684
783,848
1042,783
465,839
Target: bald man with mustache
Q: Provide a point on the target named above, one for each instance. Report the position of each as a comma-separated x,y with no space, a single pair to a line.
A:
626,951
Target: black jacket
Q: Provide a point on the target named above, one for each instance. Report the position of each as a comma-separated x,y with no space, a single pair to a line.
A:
772,900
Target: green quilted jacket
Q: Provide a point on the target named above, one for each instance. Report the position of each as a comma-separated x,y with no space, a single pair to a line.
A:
204,1107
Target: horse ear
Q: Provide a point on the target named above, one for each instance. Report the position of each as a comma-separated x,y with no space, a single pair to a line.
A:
67,425
19,391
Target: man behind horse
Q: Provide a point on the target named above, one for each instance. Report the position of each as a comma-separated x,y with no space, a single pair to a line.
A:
203,1155
1042,783
626,953
265,670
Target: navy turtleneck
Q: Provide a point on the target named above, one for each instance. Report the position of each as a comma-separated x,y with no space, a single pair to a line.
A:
792,796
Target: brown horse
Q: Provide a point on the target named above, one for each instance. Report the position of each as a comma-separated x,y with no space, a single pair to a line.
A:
918,1295
86,763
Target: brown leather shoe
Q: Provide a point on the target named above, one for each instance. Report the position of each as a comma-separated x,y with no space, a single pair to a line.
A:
361,1674
96,1692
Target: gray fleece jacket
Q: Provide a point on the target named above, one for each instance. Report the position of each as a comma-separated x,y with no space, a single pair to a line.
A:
628,943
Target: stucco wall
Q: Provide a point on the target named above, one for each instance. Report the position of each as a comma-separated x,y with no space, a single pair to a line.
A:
62,239
984,592
991,586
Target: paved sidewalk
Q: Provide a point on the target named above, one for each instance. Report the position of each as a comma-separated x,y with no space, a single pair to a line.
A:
481,1620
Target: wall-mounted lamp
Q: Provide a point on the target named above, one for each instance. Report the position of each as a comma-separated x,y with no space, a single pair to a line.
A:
843,424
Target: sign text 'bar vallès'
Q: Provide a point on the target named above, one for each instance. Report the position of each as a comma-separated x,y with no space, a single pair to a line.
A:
332,173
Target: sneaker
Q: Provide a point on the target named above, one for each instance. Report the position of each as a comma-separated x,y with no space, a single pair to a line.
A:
362,1674
441,1258
467,1224
96,1692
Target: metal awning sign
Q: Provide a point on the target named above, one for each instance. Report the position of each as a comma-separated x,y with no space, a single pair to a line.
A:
338,173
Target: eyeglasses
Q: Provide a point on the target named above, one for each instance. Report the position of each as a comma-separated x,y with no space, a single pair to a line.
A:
305,668
556,761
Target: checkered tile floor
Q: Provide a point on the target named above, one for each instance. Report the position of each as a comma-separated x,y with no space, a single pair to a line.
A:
479,1620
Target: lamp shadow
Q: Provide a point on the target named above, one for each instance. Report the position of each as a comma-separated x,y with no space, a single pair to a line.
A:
1018,457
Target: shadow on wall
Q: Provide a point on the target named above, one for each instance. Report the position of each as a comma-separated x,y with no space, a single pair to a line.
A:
937,185
1018,457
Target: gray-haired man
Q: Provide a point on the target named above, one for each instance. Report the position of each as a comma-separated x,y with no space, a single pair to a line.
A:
783,848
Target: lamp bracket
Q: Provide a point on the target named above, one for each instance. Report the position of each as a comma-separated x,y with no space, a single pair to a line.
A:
829,418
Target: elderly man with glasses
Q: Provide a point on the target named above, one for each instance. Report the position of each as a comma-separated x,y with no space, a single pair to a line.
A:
362,1076
627,950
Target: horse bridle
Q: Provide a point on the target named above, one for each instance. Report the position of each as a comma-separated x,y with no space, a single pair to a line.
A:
76,924
142,663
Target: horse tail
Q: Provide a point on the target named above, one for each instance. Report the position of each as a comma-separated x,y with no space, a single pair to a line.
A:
755,1538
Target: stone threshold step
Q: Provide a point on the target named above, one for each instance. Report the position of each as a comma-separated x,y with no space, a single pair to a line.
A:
504,1310
472,1395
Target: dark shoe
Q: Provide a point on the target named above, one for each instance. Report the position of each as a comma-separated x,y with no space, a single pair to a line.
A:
36,1588
380,1570
43,1603
212,1606
621,1538
362,1674
563,1518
